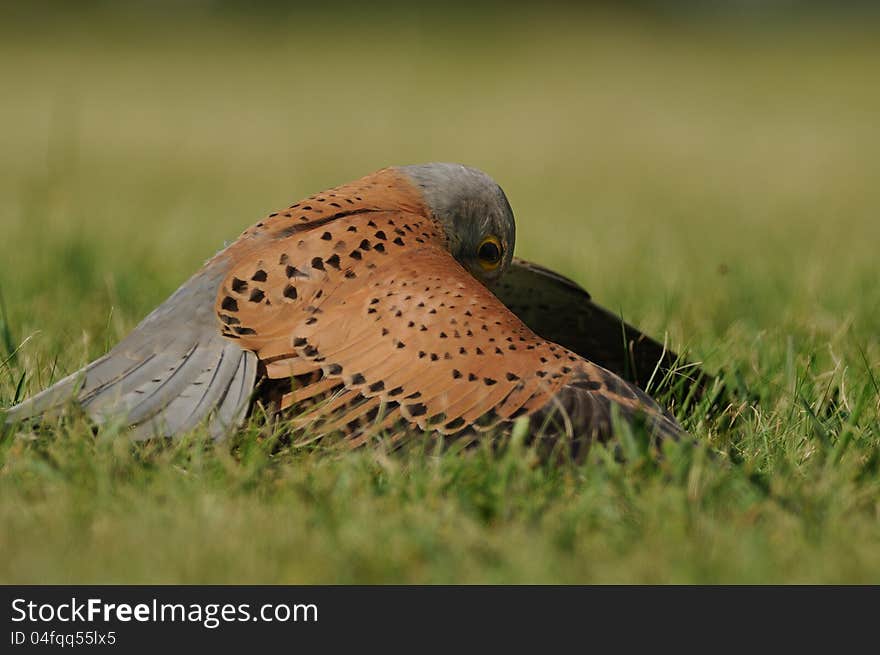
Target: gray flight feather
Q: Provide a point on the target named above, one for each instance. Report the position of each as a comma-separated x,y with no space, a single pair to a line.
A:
172,372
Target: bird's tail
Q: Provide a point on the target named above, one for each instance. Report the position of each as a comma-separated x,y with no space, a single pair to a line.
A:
172,372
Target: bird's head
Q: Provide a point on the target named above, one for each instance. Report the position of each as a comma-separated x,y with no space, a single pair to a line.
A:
474,213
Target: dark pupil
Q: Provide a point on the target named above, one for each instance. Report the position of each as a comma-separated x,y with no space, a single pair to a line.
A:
490,252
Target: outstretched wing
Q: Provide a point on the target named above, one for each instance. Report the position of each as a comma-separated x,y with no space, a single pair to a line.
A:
371,316
560,310
176,369
172,372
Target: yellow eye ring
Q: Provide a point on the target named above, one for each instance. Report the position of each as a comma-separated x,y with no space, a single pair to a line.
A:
490,253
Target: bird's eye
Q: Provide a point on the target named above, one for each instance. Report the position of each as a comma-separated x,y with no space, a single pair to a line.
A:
489,253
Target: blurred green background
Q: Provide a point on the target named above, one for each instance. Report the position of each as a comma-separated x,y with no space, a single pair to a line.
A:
710,171
713,177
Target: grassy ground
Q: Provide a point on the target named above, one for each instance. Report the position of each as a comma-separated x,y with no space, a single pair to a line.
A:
716,184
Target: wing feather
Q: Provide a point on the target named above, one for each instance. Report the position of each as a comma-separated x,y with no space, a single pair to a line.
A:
562,311
404,327
173,371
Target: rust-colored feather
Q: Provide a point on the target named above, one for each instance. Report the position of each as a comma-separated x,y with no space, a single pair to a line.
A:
373,307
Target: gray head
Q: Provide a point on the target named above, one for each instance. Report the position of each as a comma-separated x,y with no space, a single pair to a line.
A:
475,215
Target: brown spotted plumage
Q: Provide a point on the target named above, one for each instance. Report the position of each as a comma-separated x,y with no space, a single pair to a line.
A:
365,308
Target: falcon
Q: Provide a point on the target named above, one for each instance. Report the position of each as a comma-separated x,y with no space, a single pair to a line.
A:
386,305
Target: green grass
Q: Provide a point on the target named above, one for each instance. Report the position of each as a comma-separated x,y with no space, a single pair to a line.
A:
717,185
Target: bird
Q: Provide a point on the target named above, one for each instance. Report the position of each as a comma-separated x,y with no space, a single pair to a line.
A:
384,305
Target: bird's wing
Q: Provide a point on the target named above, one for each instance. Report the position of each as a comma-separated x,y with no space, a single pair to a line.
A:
372,316
561,310
172,372
176,368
